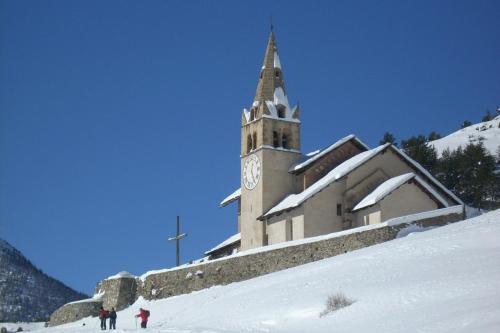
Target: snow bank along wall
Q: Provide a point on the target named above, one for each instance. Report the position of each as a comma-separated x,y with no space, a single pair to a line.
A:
121,292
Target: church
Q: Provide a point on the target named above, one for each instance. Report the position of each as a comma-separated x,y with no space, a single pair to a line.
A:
285,195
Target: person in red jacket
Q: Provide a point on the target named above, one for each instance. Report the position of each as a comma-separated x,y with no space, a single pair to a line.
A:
144,314
103,315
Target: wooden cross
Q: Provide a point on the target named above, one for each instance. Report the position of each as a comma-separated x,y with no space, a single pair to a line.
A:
177,238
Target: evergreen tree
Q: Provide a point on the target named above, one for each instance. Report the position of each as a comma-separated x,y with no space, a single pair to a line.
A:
470,173
418,149
434,136
488,116
388,138
465,124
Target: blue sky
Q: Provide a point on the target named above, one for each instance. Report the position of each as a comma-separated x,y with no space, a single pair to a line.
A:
117,116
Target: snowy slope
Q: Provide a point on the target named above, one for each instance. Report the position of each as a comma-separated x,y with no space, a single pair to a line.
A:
488,132
443,280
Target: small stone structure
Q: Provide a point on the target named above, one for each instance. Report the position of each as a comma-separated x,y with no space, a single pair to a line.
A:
75,311
118,291
123,289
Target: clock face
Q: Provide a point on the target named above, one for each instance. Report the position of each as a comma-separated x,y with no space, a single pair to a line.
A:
251,172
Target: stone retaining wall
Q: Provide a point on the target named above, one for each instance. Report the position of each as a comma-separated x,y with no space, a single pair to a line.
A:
121,292
75,311
239,268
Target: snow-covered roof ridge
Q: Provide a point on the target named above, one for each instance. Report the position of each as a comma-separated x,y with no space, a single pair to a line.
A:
320,153
383,190
121,275
231,240
487,132
294,200
391,185
230,198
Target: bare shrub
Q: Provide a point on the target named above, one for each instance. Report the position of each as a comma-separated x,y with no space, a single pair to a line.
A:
335,302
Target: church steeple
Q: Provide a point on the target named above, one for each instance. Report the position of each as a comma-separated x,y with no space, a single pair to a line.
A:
271,75
271,100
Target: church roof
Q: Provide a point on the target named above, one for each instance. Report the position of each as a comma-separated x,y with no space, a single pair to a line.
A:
230,198
296,168
295,200
231,240
391,185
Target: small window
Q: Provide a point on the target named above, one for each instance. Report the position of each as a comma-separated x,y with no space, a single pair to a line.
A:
277,73
284,141
249,143
252,114
339,209
275,139
254,140
281,111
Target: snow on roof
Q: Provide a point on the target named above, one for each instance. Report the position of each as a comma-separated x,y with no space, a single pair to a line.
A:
392,184
277,63
320,153
231,240
294,200
122,274
427,174
383,190
230,198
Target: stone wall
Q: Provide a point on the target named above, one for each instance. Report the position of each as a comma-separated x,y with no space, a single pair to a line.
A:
238,268
119,293
75,311
123,291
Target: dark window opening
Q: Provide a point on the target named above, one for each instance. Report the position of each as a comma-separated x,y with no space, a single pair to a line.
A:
339,209
284,141
254,140
252,114
281,111
275,139
249,143
277,73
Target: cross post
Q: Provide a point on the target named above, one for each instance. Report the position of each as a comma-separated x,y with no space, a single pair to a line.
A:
178,236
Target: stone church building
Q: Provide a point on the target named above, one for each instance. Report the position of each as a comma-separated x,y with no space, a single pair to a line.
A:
285,195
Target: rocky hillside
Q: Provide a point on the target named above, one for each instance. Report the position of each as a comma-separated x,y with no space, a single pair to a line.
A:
26,293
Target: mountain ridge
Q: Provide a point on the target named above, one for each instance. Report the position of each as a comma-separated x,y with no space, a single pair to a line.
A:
26,292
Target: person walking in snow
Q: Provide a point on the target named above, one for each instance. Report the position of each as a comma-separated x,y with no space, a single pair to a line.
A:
112,319
103,314
144,314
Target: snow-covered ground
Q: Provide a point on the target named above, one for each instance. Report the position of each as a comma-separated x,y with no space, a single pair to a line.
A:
443,280
488,132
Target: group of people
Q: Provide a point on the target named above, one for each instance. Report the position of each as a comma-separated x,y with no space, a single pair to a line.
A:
105,314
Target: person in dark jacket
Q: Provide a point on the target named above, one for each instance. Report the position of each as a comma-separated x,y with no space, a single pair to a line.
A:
112,319
103,314
144,314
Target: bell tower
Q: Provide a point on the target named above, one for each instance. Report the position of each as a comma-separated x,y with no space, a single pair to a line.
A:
270,144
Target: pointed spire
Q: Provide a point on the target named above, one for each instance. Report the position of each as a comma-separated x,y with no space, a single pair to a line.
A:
271,75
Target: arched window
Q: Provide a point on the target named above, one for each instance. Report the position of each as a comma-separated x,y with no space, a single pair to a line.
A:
254,140
281,111
275,139
249,143
284,141
252,114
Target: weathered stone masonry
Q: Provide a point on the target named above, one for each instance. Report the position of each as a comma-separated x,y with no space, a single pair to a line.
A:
119,293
